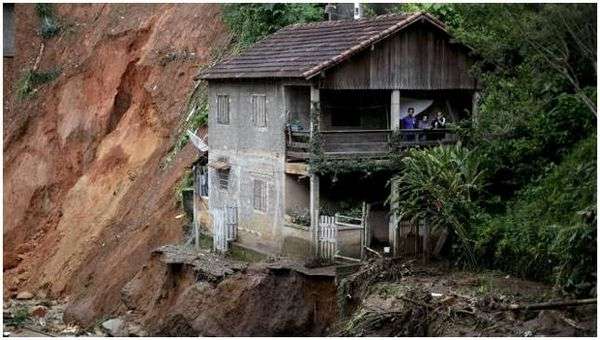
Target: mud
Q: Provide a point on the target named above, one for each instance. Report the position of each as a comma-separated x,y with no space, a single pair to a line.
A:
86,195
405,299
171,299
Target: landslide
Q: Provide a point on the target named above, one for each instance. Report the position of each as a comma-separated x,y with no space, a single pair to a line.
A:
87,195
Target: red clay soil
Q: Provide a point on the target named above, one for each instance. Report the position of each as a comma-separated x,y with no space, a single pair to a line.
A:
85,196
168,300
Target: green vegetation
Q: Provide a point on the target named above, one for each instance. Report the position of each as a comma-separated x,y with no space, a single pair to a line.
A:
49,26
440,186
251,22
20,316
31,79
536,217
186,182
196,117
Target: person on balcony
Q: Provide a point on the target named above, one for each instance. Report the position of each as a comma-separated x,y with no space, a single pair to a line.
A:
424,125
409,122
439,122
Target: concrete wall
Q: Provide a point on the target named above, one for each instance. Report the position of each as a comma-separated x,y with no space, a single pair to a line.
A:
297,193
254,153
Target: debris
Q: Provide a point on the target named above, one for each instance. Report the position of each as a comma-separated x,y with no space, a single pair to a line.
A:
550,305
437,294
179,216
209,266
25,295
38,311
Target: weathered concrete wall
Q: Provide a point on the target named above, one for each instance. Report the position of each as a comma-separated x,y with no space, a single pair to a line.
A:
297,193
254,153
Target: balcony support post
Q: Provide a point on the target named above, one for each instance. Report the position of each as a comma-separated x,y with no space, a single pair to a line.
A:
475,108
395,110
315,109
314,212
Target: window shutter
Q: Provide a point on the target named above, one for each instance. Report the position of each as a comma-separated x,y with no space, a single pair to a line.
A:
223,109
259,110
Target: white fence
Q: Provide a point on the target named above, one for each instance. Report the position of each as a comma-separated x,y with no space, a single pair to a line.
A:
328,230
225,224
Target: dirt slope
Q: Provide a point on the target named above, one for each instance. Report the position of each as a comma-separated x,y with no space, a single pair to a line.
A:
85,197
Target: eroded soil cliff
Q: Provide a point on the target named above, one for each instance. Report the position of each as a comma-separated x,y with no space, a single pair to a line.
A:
87,195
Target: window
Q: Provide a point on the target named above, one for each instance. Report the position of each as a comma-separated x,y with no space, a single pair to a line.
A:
260,195
223,178
259,110
223,109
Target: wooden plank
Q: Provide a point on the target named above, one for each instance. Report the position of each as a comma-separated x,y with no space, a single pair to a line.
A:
296,168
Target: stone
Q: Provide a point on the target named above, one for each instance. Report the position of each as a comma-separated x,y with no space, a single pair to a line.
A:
38,311
114,327
25,295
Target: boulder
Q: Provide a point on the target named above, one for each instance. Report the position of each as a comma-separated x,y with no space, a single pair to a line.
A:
25,295
114,327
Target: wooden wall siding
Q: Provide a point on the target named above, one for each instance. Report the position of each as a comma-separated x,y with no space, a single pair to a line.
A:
418,58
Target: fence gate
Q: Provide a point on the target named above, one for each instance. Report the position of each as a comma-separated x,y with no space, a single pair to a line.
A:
225,223
327,238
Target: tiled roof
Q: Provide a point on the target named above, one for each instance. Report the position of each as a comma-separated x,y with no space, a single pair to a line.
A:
304,50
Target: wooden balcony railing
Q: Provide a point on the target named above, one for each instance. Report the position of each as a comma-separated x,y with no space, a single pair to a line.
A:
367,143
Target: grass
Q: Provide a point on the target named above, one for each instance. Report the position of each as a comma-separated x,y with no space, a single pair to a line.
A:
30,81
20,316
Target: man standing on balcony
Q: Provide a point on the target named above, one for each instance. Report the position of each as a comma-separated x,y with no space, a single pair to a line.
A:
409,122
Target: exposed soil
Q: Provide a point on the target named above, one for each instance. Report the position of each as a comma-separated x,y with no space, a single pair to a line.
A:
86,199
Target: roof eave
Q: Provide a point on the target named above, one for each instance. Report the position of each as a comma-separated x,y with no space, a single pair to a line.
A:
316,70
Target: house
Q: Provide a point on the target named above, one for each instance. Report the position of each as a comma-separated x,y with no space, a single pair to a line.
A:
349,82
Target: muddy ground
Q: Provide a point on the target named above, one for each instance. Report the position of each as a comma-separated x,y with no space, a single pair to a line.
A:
384,298
398,298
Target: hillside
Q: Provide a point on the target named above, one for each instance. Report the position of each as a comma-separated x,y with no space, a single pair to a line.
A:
85,195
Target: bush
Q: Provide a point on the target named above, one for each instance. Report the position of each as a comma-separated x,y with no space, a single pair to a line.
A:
251,22
49,26
549,230
439,186
31,79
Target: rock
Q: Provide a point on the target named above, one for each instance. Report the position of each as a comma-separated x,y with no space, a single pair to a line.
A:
25,295
114,327
136,330
38,311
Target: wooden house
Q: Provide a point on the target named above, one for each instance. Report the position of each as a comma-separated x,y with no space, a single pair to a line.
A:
351,82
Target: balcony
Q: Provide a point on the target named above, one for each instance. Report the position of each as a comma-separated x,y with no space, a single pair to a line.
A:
364,143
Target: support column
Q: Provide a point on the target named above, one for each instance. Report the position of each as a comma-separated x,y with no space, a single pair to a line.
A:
394,220
315,109
395,110
314,212
475,108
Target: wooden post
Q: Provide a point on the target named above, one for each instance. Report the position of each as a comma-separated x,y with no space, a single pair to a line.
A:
314,211
426,241
394,220
475,108
395,110
194,208
315,109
